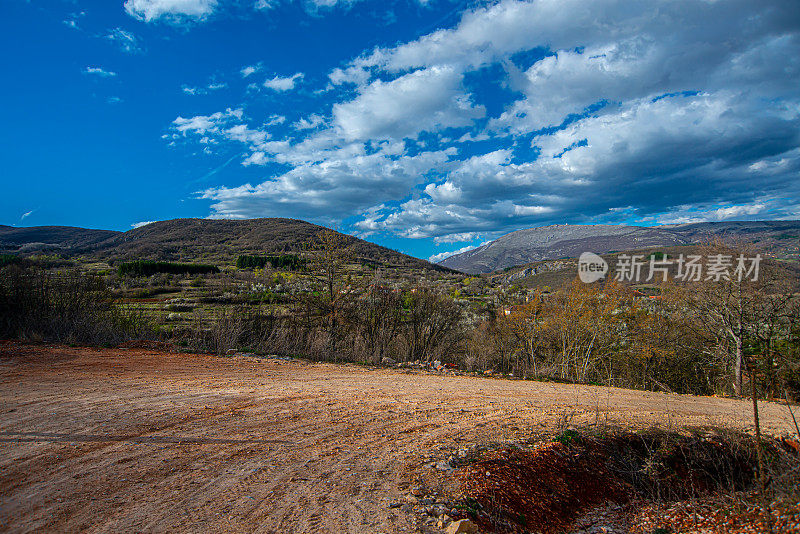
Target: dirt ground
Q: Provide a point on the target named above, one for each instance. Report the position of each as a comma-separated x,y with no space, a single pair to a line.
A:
135,440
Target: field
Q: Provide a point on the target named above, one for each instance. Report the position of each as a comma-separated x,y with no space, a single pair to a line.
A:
137,440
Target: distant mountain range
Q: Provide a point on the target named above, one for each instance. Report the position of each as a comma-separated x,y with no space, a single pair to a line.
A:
35,238
221,241
206,240
775,238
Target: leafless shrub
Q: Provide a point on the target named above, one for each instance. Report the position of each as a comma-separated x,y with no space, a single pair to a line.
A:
65,306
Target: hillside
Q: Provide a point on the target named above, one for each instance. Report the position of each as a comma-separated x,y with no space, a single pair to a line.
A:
551,274
42,238
775,238
206,240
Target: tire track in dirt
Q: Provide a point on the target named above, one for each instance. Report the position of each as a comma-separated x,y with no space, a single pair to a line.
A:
141,441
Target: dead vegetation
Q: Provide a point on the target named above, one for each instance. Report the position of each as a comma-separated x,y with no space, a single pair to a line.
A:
548,487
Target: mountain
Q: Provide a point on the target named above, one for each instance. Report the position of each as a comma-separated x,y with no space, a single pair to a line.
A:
218,241
776,238
41,238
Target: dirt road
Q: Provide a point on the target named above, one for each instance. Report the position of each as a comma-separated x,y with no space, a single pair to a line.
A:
115,440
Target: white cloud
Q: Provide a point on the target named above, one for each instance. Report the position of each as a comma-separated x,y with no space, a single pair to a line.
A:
97,71
72,21
170,10
283,84
325,191
436,258
275,119
126,40
613,108
141,223
250,69
26,215
214,86
767,208
461,237
265,5
428,99
630,158
309,123
482,36
202,124
443,193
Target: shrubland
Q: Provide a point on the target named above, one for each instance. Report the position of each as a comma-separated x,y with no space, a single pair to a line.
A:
710,337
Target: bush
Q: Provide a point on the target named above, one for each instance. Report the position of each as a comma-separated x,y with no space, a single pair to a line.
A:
147,268
242,327
65,306
9,259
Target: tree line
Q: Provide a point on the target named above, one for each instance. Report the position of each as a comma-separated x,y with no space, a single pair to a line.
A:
291,262
147,268
717,336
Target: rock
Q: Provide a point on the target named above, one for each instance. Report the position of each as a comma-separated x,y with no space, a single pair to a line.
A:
411,499
388,361
444,466
462,526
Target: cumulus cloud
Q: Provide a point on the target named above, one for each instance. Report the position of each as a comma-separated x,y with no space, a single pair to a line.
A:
204,124
444,255
325,191
456,238
141,223
655,111
170,10
282,84
647,154
423,100
309,123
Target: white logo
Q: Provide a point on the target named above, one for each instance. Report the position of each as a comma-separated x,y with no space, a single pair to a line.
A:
591,267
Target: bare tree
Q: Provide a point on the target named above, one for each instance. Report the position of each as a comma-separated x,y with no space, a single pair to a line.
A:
376,316
433,325
331,254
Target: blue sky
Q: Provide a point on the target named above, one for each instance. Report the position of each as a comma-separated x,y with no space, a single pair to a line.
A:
429,127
